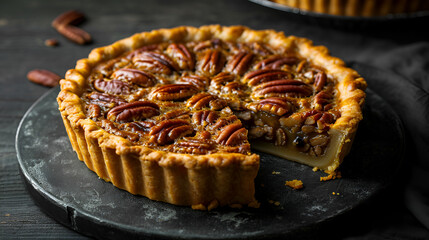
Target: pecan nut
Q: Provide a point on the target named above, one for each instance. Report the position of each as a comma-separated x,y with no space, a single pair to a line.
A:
138,77
155,62
321,99
257,77
173,92
233,134
181,54
212,62
43,77
169,130
276,62
221,79
273,105
203,100
74,34
70,17
281,137
194,146
105,100
239,63
200,82
176,114
283,88
213,43
202,118
134,111
115,87
319,81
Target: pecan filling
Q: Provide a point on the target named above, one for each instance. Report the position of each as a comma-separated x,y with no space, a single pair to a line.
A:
212,96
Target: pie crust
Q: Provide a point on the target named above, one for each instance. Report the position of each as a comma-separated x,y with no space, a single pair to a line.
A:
358,8
177,165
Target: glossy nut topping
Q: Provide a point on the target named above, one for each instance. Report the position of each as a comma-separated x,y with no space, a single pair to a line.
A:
212,96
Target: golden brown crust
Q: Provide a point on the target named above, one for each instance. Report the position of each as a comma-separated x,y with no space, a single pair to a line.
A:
357,8
186,179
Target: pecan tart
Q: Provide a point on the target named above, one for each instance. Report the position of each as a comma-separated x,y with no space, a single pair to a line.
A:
169,114
358,8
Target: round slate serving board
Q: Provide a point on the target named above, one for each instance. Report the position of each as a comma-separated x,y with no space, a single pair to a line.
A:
73,195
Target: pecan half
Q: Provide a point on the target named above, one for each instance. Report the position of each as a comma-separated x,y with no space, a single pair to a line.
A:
181,55
105,100
233,134
321,99
200,82
138,77
205,117
112,87
257,77
281,137
276,62
239,63
70,17
221,79
134,111
169,130
319,81
155,62
212,62
222,122
202,100
74,34
173,92
94,111
176,114
213,43
194,146
43,77
140,127
111,128
282,88
274,105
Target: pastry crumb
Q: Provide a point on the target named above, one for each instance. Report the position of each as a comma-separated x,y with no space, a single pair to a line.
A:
315,169
275,173
7,215
331,176
295,184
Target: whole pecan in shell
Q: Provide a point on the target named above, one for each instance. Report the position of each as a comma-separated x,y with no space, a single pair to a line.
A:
257,77
138,77
115,87
173,92
283,87
239,63
134,111
182,56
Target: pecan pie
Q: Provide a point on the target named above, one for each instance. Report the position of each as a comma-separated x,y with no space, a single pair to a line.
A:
361,8
169,114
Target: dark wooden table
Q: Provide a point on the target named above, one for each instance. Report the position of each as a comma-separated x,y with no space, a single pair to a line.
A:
25,25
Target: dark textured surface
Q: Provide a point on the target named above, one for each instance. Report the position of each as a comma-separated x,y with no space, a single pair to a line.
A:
24,25
75,196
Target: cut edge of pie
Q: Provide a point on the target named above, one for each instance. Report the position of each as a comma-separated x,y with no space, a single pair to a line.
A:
200,181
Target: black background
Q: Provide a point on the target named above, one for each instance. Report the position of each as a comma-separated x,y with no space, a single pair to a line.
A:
400,48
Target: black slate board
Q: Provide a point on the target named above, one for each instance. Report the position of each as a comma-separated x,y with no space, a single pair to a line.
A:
73,195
